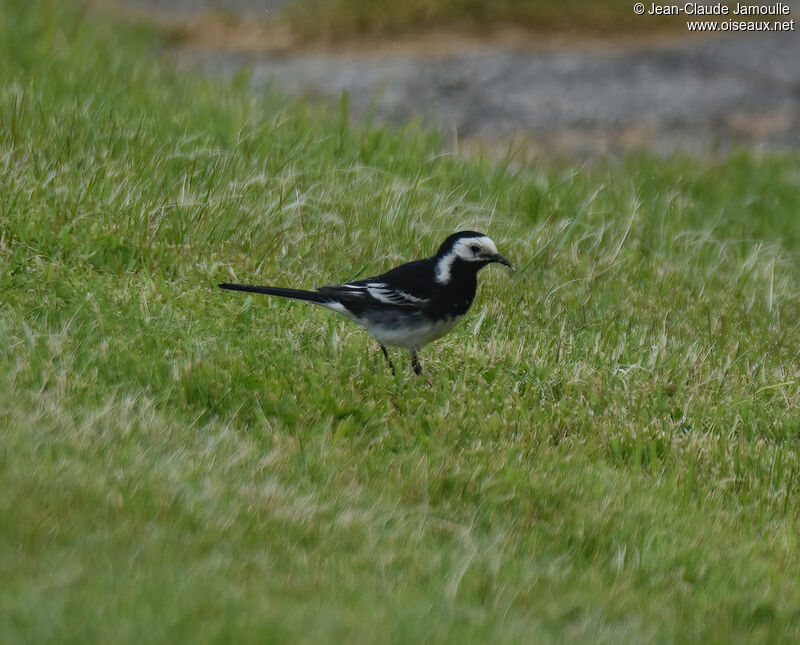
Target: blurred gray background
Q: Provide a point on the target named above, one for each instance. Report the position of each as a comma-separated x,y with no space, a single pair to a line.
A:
697,93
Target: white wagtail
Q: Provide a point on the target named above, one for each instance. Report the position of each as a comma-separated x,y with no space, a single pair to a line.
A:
412,304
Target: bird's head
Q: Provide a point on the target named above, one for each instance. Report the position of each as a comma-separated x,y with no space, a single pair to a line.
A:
474,249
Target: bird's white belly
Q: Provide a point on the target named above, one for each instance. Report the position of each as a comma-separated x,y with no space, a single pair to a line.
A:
414,335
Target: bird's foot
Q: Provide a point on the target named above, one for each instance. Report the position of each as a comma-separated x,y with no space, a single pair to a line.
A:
388,360
415,363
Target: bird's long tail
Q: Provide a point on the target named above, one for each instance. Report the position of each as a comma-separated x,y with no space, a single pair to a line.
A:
297,294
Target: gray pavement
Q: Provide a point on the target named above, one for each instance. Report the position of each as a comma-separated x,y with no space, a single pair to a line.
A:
700,94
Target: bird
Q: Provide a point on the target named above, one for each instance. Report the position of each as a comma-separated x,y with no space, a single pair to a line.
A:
414,303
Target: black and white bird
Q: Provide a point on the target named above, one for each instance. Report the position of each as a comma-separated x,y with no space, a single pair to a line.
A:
414,303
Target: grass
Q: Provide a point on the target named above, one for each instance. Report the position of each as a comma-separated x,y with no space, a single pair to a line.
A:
606,449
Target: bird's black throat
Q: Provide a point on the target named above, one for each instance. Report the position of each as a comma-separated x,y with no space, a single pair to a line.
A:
460,290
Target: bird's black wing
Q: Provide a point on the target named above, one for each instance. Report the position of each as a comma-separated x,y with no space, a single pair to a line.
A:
377,294
406,287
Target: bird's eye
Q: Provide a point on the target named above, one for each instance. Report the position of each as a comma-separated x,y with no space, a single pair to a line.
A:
475,249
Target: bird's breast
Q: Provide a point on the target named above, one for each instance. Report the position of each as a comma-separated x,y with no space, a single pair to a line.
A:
415,331
454,305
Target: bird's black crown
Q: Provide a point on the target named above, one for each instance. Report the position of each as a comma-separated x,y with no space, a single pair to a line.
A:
450,242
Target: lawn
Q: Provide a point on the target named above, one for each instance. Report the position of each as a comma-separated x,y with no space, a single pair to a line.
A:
605,450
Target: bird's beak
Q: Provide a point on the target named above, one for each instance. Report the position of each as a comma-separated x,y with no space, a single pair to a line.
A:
499,258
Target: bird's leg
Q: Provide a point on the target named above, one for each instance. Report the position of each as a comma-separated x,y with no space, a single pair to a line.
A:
415,362
388,360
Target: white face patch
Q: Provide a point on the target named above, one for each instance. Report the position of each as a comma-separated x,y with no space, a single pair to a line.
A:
468,249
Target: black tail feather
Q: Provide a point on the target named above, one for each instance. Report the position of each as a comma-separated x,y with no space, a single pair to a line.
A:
297,294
